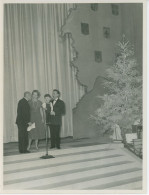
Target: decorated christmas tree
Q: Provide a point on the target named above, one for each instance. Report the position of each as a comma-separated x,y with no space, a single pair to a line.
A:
122,104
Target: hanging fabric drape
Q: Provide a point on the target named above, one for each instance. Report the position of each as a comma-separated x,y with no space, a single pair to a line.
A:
36,57
74,89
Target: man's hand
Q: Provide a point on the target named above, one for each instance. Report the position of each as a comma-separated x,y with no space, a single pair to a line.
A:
53,113
29,123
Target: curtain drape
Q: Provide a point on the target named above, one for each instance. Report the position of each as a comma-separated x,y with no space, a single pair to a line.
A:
37,57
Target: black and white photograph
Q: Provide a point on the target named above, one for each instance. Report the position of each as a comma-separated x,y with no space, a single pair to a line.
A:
73,117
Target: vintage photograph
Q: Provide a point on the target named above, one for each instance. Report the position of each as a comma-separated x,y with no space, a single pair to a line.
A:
73,97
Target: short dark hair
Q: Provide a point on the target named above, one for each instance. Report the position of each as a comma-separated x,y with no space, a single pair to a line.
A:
26,92
36,91
58,92
47,95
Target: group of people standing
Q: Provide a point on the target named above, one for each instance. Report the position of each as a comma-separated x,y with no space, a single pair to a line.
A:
48,114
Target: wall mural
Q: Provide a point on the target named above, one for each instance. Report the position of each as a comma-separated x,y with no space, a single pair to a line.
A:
98,56
85,28
115,9
94,6
106,32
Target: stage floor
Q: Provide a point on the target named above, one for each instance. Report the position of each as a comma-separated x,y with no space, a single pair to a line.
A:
85,165
68,142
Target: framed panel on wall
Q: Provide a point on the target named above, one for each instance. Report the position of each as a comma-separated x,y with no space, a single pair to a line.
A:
94,6
85,28
98,56
106,32
115,9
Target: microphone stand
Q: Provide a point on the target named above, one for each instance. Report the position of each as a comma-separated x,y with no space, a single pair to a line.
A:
46,156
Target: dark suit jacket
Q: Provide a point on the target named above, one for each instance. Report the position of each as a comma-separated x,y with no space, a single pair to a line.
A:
23,113
59,109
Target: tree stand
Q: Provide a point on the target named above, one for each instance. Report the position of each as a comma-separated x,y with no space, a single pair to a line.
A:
46,156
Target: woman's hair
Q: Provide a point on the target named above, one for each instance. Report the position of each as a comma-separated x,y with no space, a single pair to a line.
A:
47,95
36,91
26,93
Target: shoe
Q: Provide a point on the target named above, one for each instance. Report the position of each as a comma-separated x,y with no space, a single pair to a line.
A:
24,152
52,147
28,148
27,151
37,148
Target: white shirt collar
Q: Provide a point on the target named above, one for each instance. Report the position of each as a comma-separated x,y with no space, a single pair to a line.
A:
55,99
25,98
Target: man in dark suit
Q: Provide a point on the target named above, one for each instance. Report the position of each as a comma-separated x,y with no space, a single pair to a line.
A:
56,119
23,121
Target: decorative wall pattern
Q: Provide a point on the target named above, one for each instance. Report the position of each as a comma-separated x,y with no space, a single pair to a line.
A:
88,63
93,31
